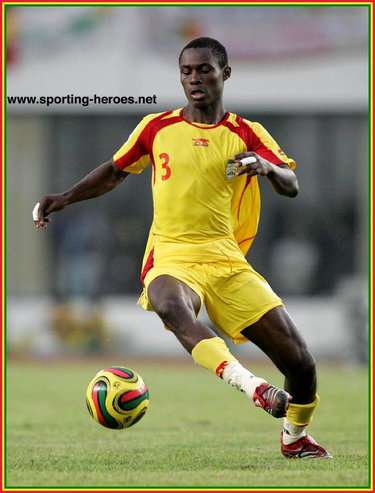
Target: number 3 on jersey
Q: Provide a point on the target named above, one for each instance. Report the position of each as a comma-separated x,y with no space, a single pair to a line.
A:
166,169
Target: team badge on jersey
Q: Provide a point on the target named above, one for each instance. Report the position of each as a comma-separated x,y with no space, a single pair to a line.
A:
201,142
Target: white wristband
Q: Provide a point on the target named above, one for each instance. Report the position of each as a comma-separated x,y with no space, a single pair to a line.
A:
248,160
35,212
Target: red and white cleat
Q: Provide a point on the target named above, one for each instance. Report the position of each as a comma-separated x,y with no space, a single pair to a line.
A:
273,400
304,448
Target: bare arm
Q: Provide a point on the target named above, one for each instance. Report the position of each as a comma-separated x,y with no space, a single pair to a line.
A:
281,177
101,180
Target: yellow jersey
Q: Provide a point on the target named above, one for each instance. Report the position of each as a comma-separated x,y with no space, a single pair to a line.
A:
195,203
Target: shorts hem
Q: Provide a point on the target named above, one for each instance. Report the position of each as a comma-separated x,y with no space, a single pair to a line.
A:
144,300
240,338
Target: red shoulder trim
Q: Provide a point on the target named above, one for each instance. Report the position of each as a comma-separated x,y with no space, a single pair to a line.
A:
143,145
242,130
252,141
153,127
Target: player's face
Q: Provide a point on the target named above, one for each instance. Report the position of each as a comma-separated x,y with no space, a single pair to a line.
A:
201,77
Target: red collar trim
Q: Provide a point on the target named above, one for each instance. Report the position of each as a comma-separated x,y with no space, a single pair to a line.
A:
204,126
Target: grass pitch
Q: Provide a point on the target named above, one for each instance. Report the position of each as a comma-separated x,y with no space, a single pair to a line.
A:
197,432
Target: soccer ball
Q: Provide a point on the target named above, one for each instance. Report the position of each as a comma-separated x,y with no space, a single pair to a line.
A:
117,397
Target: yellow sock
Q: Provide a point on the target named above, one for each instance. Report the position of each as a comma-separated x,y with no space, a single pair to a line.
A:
212,354
301,414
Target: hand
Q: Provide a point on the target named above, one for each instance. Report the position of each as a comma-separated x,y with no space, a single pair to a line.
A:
46,205
260,166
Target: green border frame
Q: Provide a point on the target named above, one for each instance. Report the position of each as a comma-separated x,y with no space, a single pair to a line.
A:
214,3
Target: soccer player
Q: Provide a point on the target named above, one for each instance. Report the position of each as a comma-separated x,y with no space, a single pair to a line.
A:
206,162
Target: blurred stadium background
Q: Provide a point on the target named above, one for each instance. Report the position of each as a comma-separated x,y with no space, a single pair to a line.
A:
300,71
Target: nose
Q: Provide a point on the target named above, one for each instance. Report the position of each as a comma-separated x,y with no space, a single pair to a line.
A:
195,77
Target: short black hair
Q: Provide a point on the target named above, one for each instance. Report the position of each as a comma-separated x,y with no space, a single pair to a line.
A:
217,49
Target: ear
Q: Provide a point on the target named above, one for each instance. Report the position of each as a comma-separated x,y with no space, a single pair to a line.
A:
226,72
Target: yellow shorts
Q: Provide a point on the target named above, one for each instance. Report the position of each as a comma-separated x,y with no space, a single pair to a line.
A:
234,294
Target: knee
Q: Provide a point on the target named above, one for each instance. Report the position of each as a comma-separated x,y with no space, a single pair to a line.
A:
303,365
308,366
170,310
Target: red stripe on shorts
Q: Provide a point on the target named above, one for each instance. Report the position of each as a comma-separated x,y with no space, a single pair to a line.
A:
148,265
